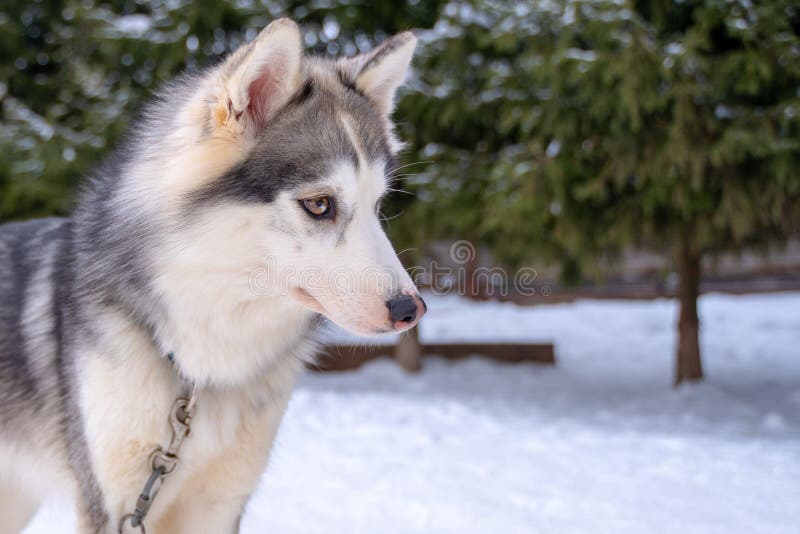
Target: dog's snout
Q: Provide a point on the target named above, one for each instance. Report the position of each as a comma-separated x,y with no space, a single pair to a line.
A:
405,310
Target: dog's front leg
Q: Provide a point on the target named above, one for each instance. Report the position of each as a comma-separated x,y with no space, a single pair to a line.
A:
125,394
201,515
213,498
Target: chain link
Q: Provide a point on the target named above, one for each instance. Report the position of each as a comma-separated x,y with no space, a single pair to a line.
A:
162,462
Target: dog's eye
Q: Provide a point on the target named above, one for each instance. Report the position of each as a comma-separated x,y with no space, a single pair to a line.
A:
319,207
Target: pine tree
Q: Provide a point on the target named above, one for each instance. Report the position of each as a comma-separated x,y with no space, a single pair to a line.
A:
691,132
578,128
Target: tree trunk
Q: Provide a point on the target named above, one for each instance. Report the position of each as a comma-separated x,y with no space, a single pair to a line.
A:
688,366
471,289
408,351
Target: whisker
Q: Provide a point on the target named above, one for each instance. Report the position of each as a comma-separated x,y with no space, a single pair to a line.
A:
392,190
408,165
407,250
387,219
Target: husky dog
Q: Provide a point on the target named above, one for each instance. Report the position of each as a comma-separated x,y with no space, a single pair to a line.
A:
217,235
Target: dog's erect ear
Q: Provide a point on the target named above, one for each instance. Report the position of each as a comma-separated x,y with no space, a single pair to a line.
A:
380,72
261,77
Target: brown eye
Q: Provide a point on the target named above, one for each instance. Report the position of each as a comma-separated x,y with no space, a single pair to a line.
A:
319,207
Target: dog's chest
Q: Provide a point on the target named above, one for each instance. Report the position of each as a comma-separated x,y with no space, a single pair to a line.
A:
225,419
126,404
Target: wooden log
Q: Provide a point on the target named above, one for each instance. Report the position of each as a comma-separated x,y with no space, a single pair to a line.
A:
543,353
346,357
408,351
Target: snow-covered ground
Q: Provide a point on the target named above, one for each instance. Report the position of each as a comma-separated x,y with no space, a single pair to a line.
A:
600,443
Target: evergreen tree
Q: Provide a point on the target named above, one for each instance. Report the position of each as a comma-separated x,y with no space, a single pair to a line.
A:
577,128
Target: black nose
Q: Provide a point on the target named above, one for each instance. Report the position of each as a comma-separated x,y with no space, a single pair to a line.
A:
402,308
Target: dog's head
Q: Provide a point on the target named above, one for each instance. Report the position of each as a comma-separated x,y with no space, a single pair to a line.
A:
303,147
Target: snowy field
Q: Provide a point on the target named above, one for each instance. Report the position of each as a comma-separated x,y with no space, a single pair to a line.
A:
601,443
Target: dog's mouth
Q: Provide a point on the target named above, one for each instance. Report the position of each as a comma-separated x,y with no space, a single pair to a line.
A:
361,326
308,300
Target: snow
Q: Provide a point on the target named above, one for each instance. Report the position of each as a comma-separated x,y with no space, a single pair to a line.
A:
580,55
133,24
599,443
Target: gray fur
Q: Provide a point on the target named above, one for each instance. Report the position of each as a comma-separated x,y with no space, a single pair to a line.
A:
303,139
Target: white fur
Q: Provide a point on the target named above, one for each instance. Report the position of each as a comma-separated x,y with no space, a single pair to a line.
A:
221,330
27,475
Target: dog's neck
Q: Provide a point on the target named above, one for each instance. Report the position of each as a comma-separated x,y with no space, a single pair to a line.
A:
219,343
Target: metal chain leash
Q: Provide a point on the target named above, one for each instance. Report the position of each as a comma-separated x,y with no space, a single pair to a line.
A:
162,462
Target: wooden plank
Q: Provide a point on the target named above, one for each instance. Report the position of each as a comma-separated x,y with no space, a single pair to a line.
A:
346,357
503,352
408,352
